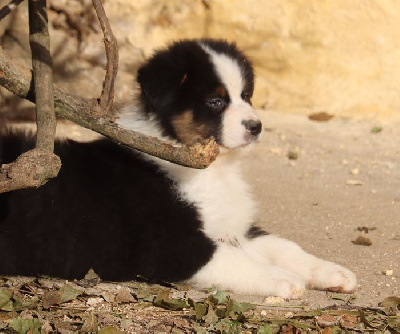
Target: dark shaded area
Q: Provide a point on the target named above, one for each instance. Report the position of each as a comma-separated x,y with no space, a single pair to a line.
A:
255,232
91,214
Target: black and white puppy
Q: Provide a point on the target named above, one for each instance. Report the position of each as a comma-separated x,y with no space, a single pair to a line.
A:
128,215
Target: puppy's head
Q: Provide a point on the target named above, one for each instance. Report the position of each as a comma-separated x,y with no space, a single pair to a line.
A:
201,89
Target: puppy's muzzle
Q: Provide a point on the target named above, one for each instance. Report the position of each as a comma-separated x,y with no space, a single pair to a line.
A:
253,127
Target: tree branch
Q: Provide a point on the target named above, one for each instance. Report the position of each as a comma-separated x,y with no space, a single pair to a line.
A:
80,111
39,41
9,8
31,170
107,94
35,167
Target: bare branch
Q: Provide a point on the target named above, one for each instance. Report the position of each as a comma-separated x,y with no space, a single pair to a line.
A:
35,167
107,94
31,170
80,111
9,8
39,41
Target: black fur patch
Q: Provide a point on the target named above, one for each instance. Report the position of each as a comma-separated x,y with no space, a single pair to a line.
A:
255,232
108,209
111,210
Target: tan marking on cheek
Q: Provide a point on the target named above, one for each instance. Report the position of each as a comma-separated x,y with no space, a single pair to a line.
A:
187,130
221,91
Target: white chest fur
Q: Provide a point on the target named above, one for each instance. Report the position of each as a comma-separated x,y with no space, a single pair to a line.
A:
221,196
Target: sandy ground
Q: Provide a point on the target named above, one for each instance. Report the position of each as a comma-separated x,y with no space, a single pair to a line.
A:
313,200
345,176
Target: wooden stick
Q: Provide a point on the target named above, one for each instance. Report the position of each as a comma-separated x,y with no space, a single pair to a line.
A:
107,94
42,66
9,8
79,110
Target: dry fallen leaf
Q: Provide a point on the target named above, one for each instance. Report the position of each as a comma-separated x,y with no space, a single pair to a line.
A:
348,321
51,298
362,241
326,320
320,117
124,296
90,325
365,229
391,305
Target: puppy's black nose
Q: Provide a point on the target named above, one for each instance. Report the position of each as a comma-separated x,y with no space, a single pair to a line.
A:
254,127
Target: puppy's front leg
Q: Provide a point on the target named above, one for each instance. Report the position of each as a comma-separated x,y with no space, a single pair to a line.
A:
318,273
232,269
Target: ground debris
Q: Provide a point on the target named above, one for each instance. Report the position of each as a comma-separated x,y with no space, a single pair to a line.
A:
354,183
47,305
365,229
362,241
320,117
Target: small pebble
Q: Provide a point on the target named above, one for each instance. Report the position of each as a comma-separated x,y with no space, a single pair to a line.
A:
274,300
289,315
355,171
388,272
354,183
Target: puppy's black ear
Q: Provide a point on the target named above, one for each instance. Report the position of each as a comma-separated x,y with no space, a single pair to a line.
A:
161,77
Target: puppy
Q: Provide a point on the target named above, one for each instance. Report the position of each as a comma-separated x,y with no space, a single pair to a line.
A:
128,215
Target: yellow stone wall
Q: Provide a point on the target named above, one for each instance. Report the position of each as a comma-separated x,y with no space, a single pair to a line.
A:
337,56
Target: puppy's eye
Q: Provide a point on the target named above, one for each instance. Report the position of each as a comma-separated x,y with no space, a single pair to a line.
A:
216,104
246,97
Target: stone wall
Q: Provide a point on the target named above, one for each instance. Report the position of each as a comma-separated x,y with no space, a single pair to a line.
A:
337,56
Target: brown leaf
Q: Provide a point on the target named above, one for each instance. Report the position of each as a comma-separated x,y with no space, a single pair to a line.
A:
51,298
90,325
320,117
366,229
110,330
290,329
124,296
91,279
362,241
349,321
327,330
391,305
326,320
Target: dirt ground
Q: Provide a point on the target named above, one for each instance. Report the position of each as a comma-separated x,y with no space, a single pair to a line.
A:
343,177
320,184
346,176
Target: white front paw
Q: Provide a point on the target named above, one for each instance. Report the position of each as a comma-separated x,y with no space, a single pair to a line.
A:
331,276
286,285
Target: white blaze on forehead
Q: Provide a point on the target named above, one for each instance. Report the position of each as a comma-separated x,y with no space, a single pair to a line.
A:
228,71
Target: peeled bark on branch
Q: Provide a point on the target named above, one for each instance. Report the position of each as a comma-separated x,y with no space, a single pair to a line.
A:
83,112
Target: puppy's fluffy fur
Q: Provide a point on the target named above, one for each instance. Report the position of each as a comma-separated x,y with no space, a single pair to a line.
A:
129,215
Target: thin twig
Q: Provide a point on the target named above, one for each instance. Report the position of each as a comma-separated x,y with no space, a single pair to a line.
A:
78,110
39,40
107,94
9,8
